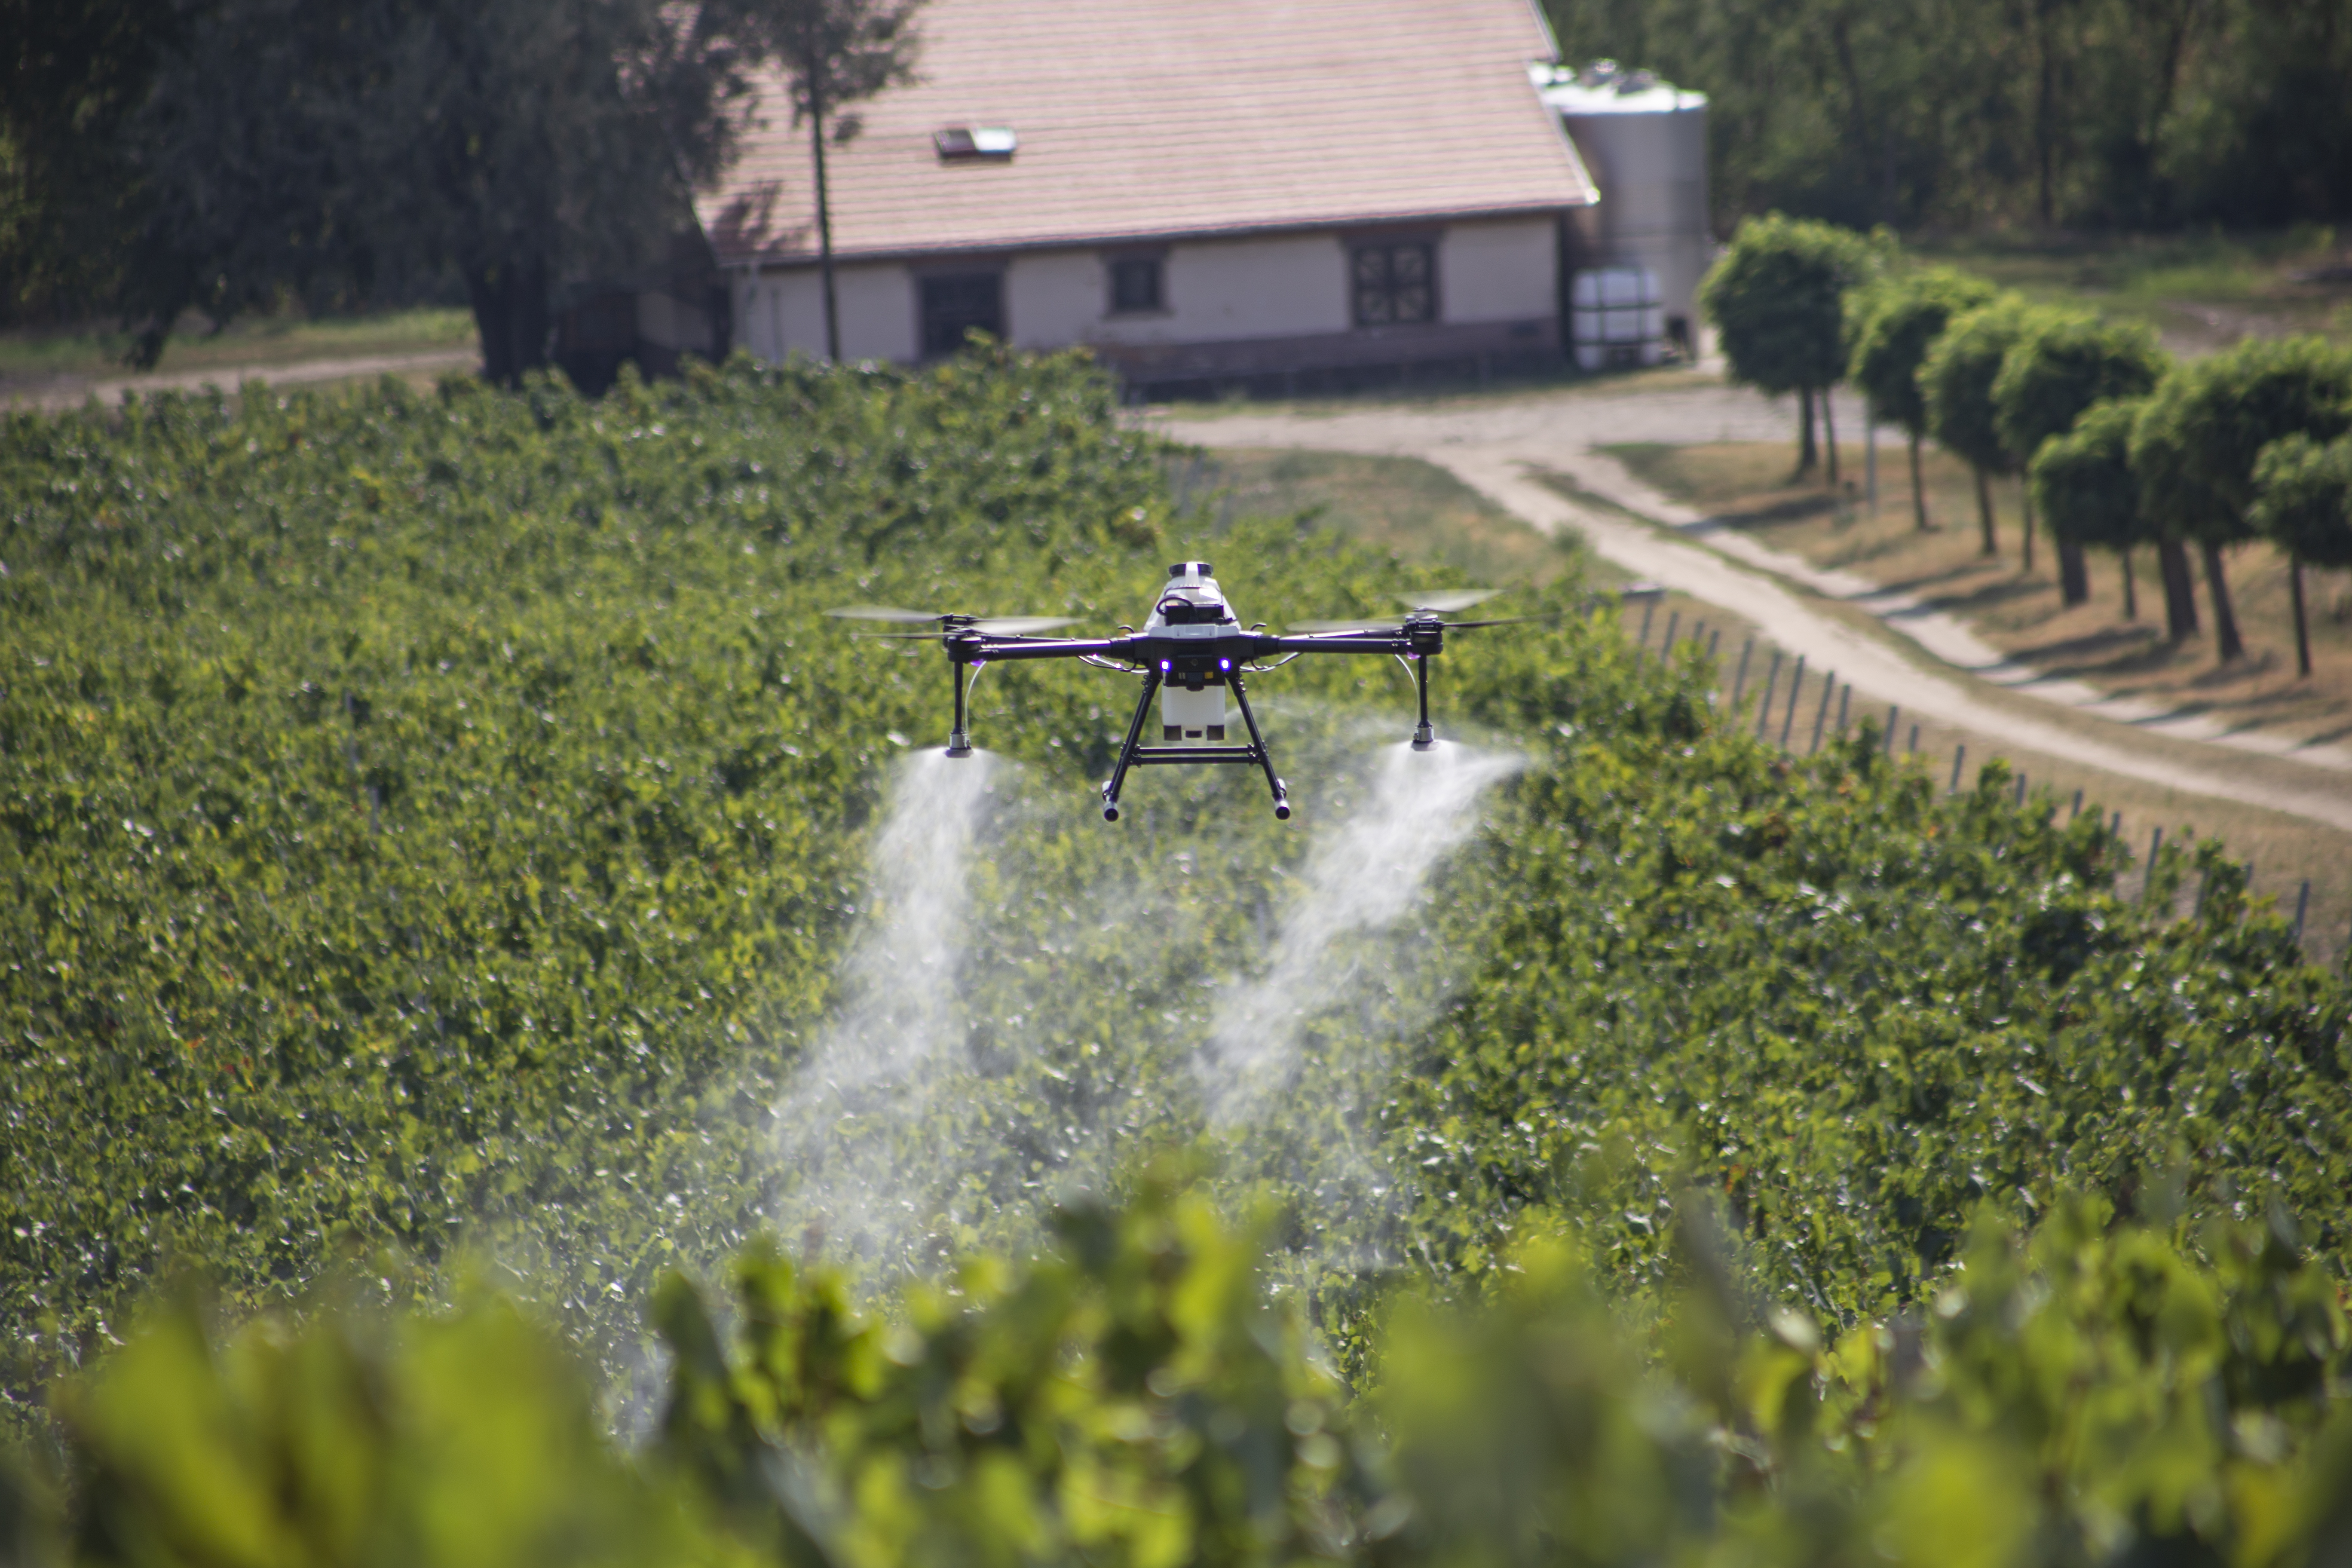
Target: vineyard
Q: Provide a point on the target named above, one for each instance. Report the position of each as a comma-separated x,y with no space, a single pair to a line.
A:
441,834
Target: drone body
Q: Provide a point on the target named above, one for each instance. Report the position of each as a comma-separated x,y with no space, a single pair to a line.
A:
1194,655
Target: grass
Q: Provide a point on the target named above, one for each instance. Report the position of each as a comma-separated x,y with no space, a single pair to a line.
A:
94,355
1414,509
2201,290
2017,609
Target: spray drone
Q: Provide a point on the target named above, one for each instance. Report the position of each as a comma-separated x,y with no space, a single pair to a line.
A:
1192,653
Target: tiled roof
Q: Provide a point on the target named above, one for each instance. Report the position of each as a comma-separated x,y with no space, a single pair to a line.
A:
1152,119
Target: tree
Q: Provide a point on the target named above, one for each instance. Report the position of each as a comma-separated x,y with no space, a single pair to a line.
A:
1900,319
2082,482
70,76
2302,503
522,145
2063,363
2196,441
838,52
1777,302
1956,382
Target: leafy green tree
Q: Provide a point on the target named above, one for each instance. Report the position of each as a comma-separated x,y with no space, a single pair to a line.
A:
2082,480
523,146
2198,439
2064,363
838,53
70,76
1956,382
1901,318
1777,302
2302,503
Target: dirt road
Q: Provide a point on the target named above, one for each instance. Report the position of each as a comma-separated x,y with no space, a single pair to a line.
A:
70,392
1910,656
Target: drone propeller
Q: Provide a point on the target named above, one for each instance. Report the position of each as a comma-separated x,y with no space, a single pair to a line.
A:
998,626
1420,603
1316,627
1444,601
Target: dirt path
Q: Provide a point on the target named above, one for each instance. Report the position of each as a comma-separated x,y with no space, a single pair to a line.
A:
70,392
1500,448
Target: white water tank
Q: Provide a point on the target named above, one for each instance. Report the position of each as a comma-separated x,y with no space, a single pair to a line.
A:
1617,317
1644,142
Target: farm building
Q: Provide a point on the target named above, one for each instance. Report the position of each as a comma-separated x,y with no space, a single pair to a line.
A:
1283,194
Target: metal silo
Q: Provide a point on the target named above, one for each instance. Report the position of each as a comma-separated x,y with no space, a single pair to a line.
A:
1639,254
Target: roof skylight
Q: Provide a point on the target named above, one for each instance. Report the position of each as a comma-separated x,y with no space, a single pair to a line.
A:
986,143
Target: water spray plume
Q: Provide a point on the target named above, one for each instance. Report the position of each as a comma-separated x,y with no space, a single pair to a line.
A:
1361,879
865,1088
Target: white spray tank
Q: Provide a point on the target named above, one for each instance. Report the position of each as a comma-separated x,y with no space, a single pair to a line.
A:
1192,604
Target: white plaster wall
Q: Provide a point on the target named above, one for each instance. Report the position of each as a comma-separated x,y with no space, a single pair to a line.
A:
1054,298
1223,290
776,313
1505,270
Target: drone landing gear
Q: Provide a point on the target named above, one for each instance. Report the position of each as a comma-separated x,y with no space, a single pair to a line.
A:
1425,739
958,740
1132,752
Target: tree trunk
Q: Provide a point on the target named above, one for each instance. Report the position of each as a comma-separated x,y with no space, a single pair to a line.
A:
2180,590
2073,574
510,304
2131,591
1918,488
1984,514
2226,640
815,69
2302,632
1807,457
1829,428
2029,527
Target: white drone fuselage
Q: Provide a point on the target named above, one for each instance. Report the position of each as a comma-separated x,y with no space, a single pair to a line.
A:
1191,607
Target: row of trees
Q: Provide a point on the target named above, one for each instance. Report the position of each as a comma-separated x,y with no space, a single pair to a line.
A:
2135,113
2119,446
157,157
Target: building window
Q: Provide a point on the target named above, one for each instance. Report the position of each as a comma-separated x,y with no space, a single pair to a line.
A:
1135,285
955,302
1395,283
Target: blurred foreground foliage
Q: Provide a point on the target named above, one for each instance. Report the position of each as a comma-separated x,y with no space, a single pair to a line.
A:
1131,1396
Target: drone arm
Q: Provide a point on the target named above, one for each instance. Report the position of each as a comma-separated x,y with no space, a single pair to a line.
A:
980,647
1345,642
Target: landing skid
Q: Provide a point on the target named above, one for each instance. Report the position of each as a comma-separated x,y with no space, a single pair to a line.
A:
1133,753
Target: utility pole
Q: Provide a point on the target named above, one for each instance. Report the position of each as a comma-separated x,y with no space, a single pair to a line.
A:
815,63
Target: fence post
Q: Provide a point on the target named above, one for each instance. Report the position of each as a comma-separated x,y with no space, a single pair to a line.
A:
1822,714
2302,908
1846,701
2078,807
1764,709
1714,642
1959,755
1667,649
2021,788
1893,711
2154,842
1796,684
1915,740
1740,681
